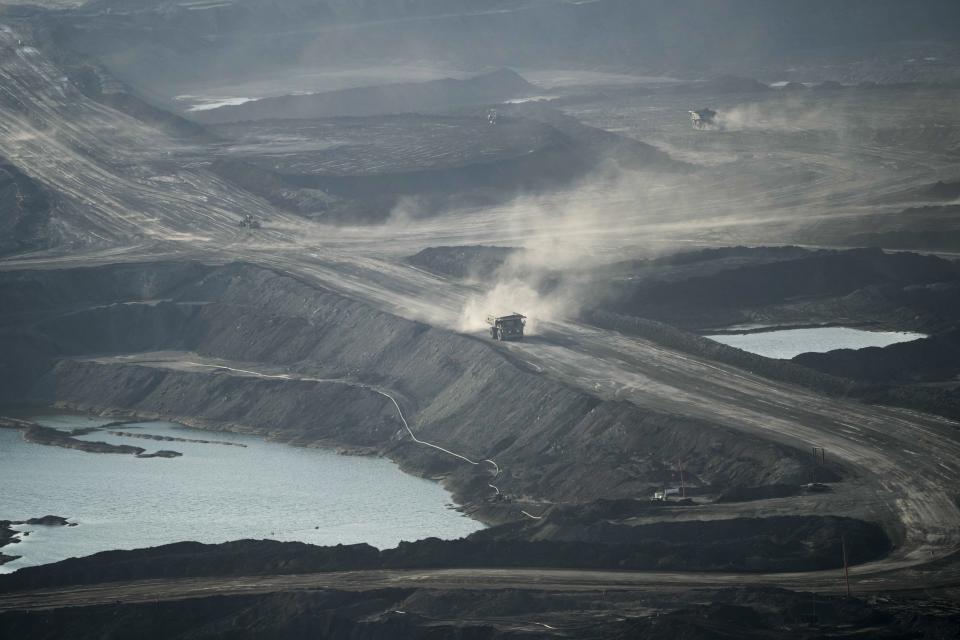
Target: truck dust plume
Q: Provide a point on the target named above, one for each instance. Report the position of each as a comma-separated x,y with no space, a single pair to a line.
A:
788,114
513,295
559,238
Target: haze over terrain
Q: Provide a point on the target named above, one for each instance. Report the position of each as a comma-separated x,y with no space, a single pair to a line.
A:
729,404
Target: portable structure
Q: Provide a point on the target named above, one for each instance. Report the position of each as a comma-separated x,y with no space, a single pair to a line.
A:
703,118
507,327
660,496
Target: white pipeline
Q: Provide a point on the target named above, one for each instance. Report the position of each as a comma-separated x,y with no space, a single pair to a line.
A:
361,385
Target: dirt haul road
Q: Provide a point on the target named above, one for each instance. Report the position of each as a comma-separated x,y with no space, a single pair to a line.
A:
553,580
106,166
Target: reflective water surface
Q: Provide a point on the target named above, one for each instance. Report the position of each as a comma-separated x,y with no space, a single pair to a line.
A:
213,493
788,343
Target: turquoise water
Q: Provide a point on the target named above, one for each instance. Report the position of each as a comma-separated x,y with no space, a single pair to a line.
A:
213,493
787,343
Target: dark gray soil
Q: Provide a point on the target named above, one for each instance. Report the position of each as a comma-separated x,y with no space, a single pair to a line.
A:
933,359
855,286
758,545
431,614
665,298
440,379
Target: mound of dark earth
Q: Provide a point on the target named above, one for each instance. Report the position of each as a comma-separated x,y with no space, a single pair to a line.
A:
460,610
407,97
789,543
784,287
741,545
933,359
362,169
466,262
899,290
709,289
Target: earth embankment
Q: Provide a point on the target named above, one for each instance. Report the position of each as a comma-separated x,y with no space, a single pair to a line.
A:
252,349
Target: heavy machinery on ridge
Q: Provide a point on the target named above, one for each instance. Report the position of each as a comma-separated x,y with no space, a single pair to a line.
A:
507,327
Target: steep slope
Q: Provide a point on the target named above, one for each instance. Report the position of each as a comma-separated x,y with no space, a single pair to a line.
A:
25,211
258,350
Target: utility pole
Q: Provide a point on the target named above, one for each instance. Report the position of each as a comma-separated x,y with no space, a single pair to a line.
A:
819,459
846,569
683,486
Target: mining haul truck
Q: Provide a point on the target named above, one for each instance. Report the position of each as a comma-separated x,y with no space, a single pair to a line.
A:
507,327
249,222
703,118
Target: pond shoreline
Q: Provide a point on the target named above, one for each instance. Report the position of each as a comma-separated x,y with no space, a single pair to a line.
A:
786,344
263,489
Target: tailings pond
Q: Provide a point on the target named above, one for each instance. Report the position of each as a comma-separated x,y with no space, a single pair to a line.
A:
787,343
213,493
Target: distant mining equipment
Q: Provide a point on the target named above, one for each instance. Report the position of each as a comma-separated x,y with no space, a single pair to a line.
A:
249,222
507,327
703,119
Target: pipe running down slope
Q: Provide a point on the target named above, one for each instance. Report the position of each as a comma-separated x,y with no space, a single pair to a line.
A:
361,385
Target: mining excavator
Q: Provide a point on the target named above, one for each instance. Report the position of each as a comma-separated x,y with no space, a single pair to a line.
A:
507,327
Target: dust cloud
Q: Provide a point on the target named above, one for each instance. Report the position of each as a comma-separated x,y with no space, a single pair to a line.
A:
561,239
781,115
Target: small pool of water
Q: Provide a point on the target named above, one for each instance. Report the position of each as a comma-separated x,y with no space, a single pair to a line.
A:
213,493
787,343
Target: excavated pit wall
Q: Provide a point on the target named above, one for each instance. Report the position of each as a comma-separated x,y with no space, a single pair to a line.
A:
552,442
